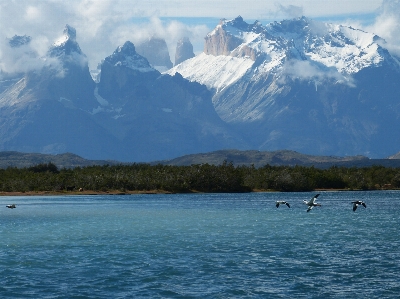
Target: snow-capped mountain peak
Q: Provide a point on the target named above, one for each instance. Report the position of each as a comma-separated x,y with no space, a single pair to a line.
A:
67,46
278,46
299,77
69,34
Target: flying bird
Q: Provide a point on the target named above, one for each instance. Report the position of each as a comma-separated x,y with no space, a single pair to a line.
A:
11,206
281,202
357,203
311,203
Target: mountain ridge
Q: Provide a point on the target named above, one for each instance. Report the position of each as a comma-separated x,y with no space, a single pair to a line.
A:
279,158
297,83
236,157
302,85
133,112
64,160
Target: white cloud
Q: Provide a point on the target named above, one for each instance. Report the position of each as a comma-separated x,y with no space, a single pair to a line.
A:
305,70
32,13
387,25
290,11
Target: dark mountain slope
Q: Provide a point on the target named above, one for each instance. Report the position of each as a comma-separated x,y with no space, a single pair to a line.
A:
157,116
66,160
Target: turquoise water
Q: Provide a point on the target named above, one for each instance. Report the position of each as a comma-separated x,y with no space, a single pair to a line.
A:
200,246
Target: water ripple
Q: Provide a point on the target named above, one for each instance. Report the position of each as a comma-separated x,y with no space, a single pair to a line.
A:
200,246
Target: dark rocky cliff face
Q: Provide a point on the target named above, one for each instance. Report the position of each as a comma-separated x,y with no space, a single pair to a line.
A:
123,72
69,78
133,114
37,116
160,116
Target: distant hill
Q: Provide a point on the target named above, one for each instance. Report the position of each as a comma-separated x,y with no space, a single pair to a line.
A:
67,160
276,158
237,157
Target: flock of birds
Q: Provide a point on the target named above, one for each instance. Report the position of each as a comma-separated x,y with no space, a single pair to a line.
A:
311,203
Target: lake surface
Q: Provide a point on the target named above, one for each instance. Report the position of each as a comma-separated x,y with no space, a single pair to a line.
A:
200,246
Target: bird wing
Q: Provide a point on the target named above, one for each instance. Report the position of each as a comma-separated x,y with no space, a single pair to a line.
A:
312,200
364,204
288,204
309,208
277,204
354,207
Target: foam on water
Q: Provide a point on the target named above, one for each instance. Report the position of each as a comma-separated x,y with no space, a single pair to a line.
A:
200,246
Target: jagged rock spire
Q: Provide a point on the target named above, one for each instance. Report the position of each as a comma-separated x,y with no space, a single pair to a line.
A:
184,50
70,32
156,52
66,45
127,56
19,40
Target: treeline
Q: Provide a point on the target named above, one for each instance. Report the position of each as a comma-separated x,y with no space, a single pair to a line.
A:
195,178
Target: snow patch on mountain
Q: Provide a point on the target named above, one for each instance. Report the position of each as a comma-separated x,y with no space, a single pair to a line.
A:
347,49
127,56
61,40
11,97
69,35
66,51
66,44
134,64
99,98
216,72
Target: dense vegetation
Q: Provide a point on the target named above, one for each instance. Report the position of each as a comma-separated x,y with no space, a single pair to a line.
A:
200,178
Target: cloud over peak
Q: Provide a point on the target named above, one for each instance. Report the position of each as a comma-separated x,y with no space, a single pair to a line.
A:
387,25
102,25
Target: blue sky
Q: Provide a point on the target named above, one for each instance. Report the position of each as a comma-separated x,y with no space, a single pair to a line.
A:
103,25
